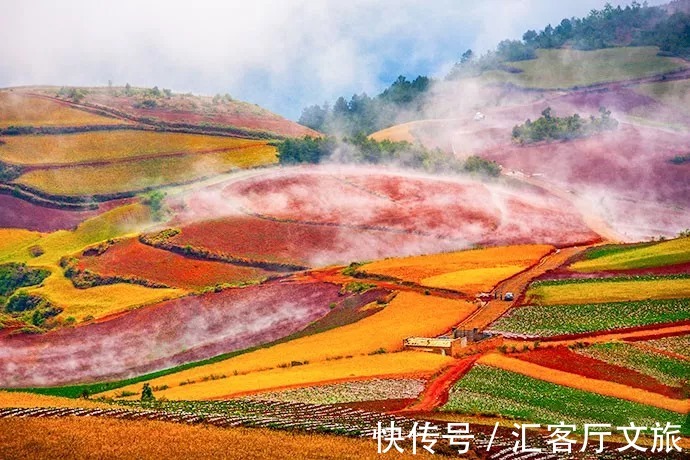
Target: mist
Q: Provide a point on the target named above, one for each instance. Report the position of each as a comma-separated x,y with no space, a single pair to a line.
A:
283,55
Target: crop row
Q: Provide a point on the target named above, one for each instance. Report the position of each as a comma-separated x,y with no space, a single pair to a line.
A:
679,344
609,279
487,390
551,320
355,391
666,369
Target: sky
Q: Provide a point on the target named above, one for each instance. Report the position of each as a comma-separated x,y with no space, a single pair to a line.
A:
282,55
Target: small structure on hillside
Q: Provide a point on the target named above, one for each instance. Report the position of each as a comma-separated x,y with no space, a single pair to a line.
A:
446,345
479,116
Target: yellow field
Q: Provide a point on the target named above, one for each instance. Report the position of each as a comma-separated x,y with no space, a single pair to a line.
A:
104,146
11,238
18,399
579,382
407,362
666,253
99,301
135,176
468,271
18,109
91,438
409,314
601,292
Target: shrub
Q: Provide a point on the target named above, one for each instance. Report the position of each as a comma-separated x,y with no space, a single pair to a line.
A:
36,251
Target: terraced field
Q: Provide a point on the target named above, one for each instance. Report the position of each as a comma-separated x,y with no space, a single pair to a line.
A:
104,147
671,93
487,390
552,320
674,372
565,292
679,345
18,109
469,271
662,254
566,68
130,258
406,315
112,178
596,363
352,391
187,329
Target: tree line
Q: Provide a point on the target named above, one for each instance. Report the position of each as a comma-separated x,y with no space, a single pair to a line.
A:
360,149
549,127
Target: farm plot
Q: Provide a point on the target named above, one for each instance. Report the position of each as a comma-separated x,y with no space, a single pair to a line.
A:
16,213
187,329
17,109
671,93
140,175
670,371
486,390
408,314
565,68
635,257
256,239
51,438
564,292
32,400
468,271
552,320
679,345
130,258
463,210
354,368
346,392
588,363
11,239
69,149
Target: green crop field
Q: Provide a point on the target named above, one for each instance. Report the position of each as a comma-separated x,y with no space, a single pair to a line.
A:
550,320
663,368
486,390
639,256
566,68
679,345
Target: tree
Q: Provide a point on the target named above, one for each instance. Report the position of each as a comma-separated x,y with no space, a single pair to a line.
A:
154,200
147,393
466,56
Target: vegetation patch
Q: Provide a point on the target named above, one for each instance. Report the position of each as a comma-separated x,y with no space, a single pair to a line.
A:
486,390
671,371
645,255
17,275
551,128
551,320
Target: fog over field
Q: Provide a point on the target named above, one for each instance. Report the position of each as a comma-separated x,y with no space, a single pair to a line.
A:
281,55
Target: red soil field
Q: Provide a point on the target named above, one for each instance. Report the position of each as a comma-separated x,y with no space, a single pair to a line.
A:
563,359
132,258
183,110
301,244
170,333
18,213
464,210
564,273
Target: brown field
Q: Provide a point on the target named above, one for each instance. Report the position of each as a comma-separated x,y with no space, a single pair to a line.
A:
90,438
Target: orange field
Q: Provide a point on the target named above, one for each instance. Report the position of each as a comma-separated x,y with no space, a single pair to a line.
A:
602,387
409,314
358,367
18,109
130,258
114,145
89,438
468,271
17,399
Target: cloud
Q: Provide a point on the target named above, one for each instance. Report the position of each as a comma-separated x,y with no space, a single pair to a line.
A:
280,54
